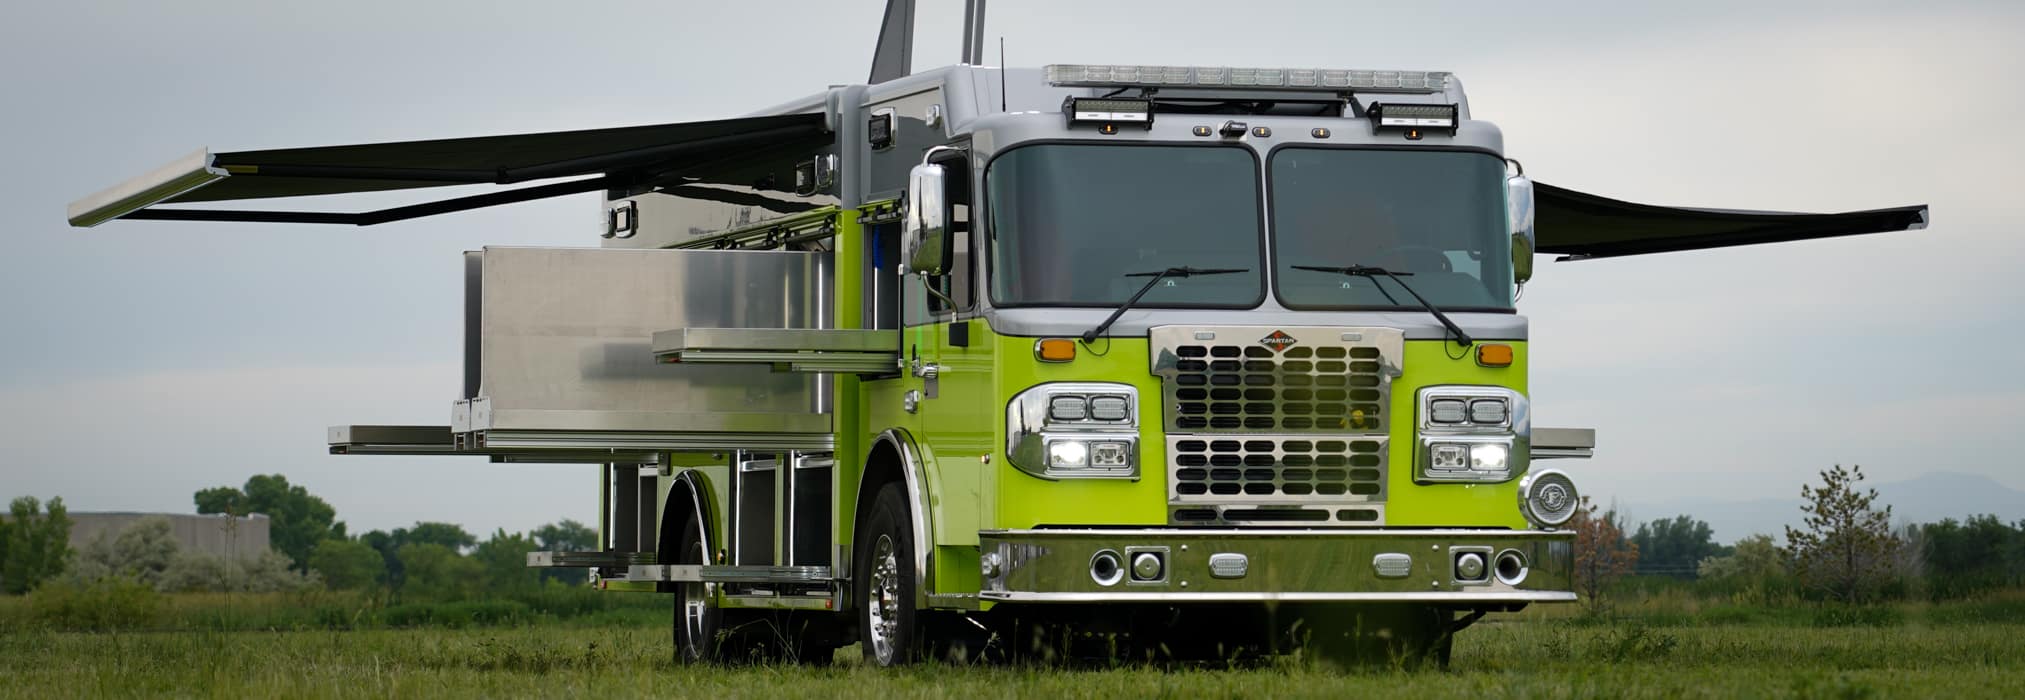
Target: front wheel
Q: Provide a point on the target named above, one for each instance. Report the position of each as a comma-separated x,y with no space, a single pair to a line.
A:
885,582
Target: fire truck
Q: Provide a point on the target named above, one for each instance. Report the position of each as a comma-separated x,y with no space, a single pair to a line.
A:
1140,360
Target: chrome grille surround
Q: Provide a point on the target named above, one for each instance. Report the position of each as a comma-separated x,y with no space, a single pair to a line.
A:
1276,425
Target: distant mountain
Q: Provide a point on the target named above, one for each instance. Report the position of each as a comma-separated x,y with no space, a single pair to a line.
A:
1923,499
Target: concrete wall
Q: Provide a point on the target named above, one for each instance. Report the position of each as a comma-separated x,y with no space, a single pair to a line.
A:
212,534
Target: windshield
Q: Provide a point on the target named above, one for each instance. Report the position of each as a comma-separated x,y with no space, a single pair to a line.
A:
1439,215
1069,222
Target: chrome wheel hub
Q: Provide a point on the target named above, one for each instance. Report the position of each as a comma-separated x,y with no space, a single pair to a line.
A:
884,607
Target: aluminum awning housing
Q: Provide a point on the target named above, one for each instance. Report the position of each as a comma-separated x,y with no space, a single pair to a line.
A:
598,159
1579,226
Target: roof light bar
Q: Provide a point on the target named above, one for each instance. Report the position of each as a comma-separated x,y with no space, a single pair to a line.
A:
1392,81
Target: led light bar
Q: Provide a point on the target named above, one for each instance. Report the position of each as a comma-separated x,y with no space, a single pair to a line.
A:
1414,116
1103,110
1393,81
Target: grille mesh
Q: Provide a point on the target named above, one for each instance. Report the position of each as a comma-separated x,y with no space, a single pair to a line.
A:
1229,388
1226,469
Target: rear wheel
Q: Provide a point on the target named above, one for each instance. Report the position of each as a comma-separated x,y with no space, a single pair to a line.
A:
705,633
885,583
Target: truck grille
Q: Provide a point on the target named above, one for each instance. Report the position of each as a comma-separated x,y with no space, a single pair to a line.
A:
1242,385
1276,425
1276,466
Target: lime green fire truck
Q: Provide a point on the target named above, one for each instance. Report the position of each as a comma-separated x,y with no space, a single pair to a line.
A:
1153,361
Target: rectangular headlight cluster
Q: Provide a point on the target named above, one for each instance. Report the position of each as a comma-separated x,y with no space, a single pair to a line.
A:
1471,433
1074,430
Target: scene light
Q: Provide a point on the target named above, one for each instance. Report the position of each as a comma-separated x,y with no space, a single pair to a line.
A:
1108,111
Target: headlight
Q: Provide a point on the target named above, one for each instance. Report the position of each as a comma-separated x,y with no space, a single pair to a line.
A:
1075,430
1068,453
1472,434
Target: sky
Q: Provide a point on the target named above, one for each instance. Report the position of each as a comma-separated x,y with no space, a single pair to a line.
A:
142,361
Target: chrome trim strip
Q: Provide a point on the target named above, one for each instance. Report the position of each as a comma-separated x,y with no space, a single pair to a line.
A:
1459,597
917,497
698,487
1274,533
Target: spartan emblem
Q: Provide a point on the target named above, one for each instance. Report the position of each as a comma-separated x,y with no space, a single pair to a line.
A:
1277,340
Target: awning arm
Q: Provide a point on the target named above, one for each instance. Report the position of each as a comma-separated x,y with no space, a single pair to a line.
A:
369,218
185,174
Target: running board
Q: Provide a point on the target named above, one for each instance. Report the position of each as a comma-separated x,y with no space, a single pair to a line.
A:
438,440
588,560
728,574
848,351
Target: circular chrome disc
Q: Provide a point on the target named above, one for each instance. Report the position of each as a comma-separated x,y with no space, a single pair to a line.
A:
884,606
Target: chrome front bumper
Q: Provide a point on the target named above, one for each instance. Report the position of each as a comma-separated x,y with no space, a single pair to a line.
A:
1277,565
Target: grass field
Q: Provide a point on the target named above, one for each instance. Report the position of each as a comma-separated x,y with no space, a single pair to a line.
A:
1520,658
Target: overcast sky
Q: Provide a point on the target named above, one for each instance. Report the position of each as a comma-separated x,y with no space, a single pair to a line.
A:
145,360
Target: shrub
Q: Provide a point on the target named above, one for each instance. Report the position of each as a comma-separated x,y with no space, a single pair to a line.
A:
141,551
267,573
110,603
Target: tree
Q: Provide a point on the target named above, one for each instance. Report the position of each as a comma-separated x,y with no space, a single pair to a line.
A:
1674,547
447,534
1755,560
1602,554
1847,550
504,558
1962,558
297,520
566,536
438,571
347,564
34,544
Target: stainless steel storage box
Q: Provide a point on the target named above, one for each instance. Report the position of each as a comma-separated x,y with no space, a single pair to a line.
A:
564,354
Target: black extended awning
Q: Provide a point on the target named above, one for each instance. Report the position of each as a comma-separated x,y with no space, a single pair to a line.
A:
1579,226
602,159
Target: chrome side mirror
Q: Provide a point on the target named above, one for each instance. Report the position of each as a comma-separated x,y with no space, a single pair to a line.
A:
924,231
1519,213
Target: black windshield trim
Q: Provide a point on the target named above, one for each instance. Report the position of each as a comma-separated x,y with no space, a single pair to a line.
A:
1273,239
990,227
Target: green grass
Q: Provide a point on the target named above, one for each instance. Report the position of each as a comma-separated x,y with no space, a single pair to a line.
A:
1513,658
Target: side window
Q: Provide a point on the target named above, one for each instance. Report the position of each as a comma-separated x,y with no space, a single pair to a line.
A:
956,284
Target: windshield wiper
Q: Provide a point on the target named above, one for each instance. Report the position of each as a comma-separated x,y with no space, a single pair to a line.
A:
1372,274
1091,335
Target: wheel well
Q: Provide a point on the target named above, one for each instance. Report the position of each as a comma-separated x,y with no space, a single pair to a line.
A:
882,467
681,506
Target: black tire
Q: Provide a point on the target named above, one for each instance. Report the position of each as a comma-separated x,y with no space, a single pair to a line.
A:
698,623
705,633
884,584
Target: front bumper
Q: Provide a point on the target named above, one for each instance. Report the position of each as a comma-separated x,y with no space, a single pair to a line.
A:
1277,565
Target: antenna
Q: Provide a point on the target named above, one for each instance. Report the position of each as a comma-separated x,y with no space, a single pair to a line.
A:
1001,72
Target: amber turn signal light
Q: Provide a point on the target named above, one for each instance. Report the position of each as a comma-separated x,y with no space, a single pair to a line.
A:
1055,349
1494,355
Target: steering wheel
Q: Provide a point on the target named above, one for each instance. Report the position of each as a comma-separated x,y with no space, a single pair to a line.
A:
1417,258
